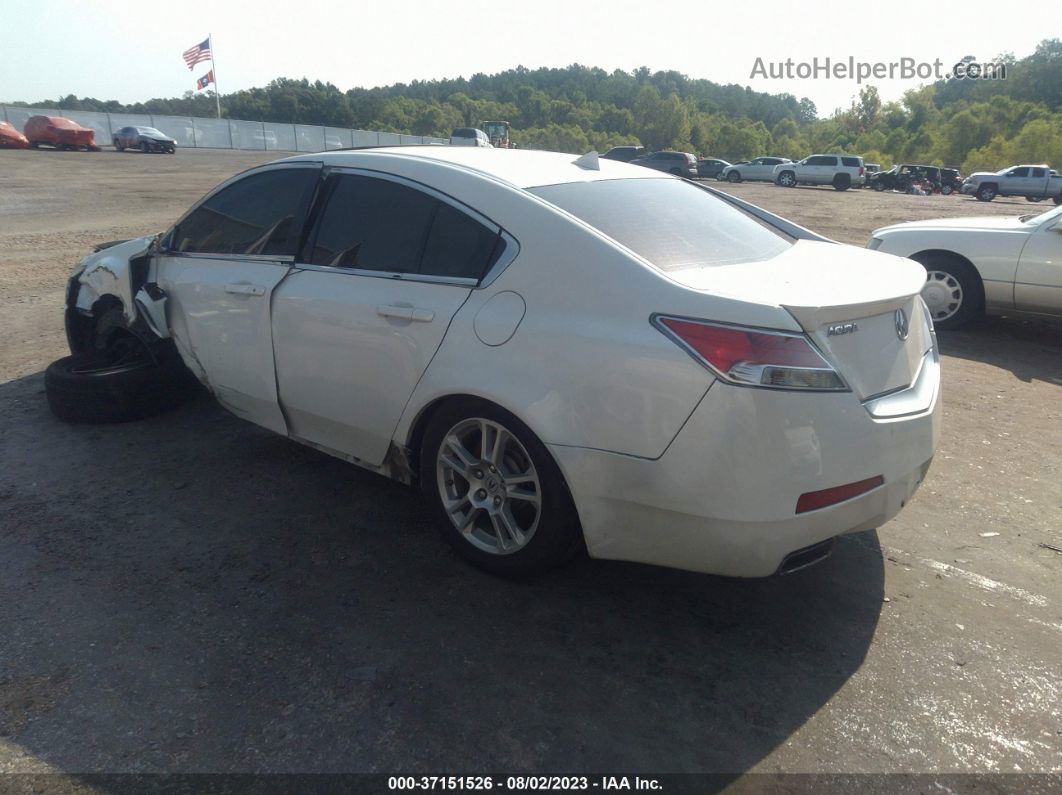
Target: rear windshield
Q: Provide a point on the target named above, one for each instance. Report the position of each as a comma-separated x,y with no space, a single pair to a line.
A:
672,224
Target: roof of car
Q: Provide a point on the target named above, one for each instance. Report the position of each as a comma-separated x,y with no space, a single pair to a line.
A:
520,167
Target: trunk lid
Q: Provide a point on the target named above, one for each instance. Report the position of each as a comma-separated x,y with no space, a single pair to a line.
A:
846,299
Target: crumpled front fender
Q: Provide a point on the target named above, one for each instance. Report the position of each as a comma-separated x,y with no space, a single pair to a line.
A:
112,271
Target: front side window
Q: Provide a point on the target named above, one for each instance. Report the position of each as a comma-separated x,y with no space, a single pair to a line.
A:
672,224
260,215
382,225
1019,172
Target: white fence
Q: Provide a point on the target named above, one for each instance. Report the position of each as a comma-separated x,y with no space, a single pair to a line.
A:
190,131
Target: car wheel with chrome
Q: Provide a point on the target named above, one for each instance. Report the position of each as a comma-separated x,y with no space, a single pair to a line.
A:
498,497
953,291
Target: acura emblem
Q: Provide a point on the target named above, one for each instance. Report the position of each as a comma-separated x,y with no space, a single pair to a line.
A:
902,326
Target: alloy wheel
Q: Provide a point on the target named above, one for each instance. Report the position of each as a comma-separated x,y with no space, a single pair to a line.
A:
489,487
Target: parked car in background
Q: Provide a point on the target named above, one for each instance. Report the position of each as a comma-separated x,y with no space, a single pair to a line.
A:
682,164
760,168
11,138
146,139
710,167
871,170
469,136
60,132
950,181
840,171
624,154
907,178
1035,183
983,265
741,393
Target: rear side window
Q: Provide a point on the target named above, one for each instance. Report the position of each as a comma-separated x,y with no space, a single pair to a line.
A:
671,223
1039,172
379,224
458,246
261,214
851,162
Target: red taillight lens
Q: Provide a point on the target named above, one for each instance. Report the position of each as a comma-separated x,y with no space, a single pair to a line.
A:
755,358
862,171
814,500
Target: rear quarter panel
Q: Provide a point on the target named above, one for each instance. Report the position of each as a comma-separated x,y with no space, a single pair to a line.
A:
585,367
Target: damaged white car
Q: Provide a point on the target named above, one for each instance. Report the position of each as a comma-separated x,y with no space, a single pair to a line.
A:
560,352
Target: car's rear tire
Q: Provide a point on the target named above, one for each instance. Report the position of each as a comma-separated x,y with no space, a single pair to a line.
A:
118,145
879,186
787,179
1058,199
842,181
734,177
953,291
89,388
1035,198
947,190
986,193
503,505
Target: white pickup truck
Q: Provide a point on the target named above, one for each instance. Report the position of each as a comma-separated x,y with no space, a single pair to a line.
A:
1035,183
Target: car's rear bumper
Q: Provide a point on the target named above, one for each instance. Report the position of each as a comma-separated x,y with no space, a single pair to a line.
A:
722,498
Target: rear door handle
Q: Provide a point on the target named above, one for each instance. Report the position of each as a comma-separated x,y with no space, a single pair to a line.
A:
405,313
245,289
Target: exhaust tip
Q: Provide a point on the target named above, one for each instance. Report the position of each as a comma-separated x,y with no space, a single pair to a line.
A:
807,556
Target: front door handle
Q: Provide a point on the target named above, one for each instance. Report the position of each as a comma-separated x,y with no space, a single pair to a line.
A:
405,313
245,289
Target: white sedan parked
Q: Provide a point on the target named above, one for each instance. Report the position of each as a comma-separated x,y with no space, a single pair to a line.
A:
978,265
560,351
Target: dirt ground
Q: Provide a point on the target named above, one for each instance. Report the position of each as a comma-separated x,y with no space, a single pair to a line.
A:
192,593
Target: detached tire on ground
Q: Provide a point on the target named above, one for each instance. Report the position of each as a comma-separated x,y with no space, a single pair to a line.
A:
84,387
495,492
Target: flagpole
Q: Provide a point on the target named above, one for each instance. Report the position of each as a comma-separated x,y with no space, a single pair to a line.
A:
214,69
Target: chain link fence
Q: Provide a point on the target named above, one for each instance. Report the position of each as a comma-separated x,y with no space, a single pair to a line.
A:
197,133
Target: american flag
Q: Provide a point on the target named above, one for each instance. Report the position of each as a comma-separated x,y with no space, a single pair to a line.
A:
198,53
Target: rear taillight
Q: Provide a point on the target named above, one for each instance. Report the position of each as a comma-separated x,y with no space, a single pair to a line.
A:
813,500
862,171
753,357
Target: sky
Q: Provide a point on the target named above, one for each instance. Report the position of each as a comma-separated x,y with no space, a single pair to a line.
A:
131,51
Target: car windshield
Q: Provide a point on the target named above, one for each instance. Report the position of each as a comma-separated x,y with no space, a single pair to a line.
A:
149,131
673,224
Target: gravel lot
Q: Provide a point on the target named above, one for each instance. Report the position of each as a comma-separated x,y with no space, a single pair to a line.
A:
192,593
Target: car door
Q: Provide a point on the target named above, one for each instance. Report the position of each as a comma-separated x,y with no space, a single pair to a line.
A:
1016,182
825,167
356,324
1038,181
1038,283
218,268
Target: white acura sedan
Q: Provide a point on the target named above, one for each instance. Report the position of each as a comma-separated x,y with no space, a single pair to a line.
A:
983,265
560,351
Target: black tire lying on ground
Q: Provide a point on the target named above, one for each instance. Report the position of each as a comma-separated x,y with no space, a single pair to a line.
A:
84,387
